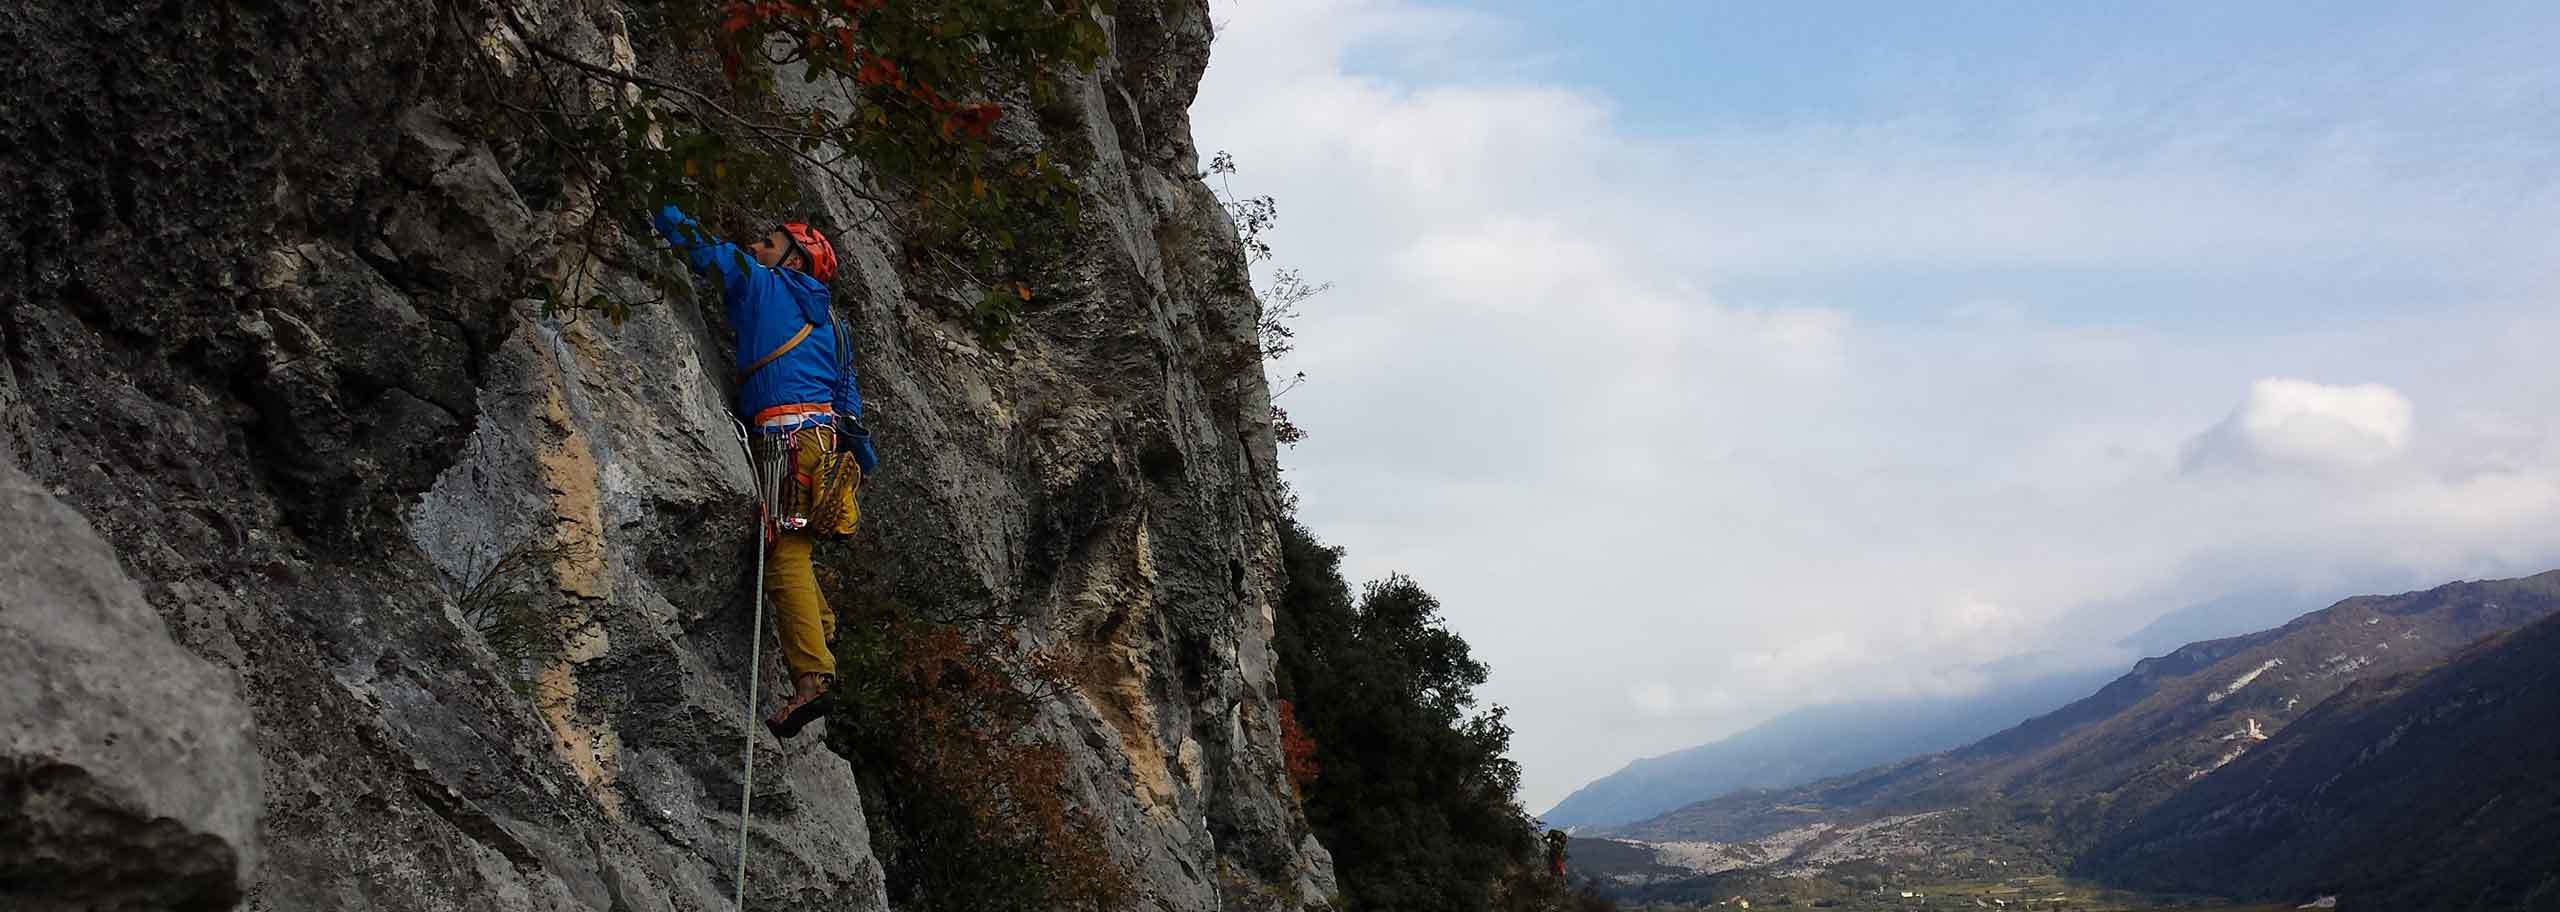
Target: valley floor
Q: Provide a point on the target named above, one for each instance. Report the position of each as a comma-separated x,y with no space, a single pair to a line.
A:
2040,894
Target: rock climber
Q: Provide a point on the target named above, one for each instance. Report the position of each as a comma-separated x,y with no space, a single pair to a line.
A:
797,396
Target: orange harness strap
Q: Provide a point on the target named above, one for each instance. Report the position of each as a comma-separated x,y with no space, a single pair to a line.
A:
796,408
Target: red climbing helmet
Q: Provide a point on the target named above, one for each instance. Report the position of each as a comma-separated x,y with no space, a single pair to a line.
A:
821,256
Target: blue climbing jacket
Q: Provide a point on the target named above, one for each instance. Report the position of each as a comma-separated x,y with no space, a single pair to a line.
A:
768,306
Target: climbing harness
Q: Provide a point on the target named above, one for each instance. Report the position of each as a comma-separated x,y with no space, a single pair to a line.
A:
819,480
814,488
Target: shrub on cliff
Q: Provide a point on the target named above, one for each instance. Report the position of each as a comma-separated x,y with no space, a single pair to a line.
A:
967,813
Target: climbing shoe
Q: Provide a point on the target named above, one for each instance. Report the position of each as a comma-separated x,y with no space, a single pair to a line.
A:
802,710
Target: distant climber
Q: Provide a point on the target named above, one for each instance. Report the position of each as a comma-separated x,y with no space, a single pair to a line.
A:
1556,840
803,413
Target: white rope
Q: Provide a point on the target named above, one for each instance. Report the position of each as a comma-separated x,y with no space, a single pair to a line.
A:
755,656
768,493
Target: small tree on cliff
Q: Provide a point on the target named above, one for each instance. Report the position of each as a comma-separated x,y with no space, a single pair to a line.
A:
1254,217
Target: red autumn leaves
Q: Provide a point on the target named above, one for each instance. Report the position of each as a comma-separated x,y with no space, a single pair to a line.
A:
975,120
830,32
1297,748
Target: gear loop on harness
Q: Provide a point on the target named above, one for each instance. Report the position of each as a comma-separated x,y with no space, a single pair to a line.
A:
816,481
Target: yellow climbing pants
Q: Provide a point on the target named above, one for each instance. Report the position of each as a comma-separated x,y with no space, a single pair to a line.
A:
820,482
800,613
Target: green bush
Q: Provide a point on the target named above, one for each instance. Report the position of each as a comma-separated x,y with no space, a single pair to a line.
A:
1413,794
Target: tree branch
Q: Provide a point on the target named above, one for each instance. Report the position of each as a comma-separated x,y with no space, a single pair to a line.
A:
763,131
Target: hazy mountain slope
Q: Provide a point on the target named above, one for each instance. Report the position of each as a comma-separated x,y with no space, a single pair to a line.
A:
2437,790
1811,743
2091,767
2238,614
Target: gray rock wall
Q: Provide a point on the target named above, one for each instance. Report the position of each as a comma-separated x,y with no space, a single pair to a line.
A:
127,780
265,334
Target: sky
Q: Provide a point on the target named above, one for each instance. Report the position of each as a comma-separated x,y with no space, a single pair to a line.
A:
1708,360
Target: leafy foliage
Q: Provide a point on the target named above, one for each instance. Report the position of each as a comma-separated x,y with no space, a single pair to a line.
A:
1415,800
1280,302
967,812
907,100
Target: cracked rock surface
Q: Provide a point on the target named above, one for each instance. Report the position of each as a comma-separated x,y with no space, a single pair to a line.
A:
262,328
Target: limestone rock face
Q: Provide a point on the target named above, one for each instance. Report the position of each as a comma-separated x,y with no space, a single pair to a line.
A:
264,326
127,780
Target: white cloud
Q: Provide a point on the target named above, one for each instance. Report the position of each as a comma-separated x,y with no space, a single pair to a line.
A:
1662,700
2298,423
1661,514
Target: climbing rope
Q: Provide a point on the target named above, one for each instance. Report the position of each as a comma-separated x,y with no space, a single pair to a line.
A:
768,504
755,651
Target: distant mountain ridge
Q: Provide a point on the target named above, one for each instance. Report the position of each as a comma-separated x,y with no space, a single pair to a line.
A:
2244,612
1820,741
2438,789
2064,780
1811,743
